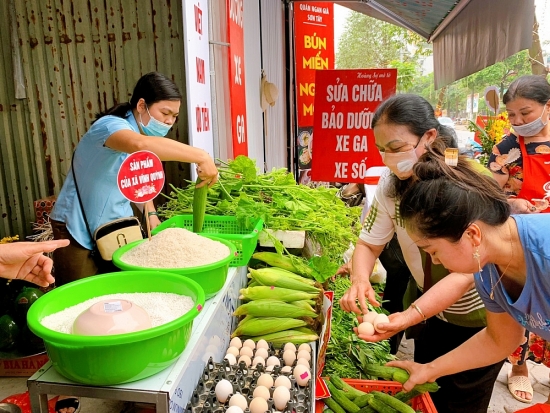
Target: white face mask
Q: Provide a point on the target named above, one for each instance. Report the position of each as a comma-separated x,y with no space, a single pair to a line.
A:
400,163
531,128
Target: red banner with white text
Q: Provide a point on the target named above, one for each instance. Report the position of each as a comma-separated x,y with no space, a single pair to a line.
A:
345,102
236,77
314,50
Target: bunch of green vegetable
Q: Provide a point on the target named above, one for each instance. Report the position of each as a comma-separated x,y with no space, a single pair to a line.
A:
276,198
346,353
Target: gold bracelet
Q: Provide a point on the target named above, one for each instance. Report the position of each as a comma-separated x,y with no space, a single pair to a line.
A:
417,308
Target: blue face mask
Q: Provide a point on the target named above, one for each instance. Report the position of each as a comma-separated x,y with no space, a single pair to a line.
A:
154,127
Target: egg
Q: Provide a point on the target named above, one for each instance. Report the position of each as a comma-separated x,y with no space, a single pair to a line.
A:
246,351
231,359
258,405
238,400
369,317
281,396
261,391
245,359
234,351
265,380
273,361
258,360
283,381
234,409
261,352
262,344
249,343
286,369
236,342
288,357
302,375
304,355
302,362
365,329
379,319
289,346
223,389
305,346
269,369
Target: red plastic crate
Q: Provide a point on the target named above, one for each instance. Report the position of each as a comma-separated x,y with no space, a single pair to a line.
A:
423,402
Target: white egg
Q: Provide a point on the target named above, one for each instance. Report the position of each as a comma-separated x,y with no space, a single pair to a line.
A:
302,375
258,360
261,352
281,396
246,351
273,361
302,362
288,357
369,317
238,400
231,359
283,381
249,343
223,389
286,369
289,346
236,342
269,369
365,329
265,380
304,346
234,409
262,344
261,391
304,355
234,351
380,318
258,405
246,360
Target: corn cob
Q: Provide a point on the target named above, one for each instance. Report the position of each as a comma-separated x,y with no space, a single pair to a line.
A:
288,263
274,308
266,325
282,337
285,279
276,293
199,206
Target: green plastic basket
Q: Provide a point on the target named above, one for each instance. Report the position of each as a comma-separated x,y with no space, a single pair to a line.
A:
120,358
224,227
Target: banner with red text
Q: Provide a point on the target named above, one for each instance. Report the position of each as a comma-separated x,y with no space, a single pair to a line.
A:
345,101
314,50
236,77
197,69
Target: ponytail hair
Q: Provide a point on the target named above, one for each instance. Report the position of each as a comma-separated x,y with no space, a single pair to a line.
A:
443,201
152,87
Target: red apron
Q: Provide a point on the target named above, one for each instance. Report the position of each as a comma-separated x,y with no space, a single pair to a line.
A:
536,175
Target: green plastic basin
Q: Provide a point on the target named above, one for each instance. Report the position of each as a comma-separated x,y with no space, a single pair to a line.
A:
210,277
122,358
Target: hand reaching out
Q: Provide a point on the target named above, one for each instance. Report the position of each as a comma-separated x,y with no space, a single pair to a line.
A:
26,261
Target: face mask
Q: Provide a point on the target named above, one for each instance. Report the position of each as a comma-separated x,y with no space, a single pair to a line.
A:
154,127
400,163
531,128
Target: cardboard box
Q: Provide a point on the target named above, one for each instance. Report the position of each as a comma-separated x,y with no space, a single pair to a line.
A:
22,366
43,207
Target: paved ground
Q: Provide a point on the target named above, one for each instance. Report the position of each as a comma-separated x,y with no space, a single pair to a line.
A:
501,401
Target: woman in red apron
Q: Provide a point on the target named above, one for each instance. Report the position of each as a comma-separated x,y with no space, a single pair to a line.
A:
521,165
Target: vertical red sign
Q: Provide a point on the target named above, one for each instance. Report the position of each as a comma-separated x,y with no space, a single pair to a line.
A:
236,77
314,50
345,102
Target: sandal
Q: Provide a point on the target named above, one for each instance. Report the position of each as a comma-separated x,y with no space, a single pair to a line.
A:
65,405
520,383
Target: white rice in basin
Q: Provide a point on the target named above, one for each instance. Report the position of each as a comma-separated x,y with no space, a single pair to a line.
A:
161,307
176,248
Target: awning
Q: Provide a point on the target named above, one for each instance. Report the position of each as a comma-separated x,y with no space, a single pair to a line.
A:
467,35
